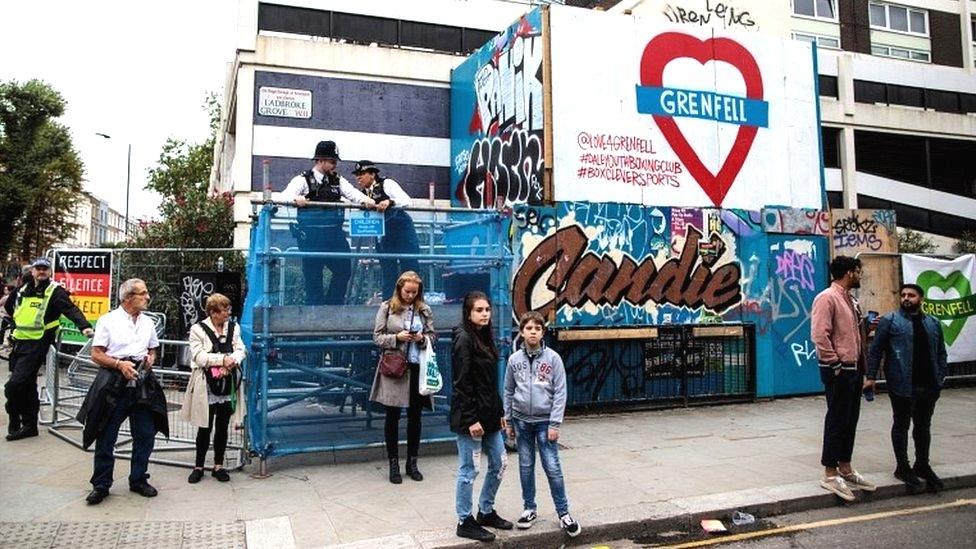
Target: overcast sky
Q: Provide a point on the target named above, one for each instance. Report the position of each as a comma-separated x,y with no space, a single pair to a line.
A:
137,71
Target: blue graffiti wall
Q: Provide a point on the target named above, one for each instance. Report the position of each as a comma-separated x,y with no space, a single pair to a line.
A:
496,120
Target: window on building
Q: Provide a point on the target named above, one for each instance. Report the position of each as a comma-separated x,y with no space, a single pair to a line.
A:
823,9
827,85
830,137
827,42
947,165
869,92
892,17
906,95
900,53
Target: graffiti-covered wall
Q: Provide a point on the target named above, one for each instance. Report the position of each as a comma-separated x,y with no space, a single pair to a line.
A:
623,265
496,120
598,264
686,187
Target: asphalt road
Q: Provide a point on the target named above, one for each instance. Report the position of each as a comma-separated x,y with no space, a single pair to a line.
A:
944,521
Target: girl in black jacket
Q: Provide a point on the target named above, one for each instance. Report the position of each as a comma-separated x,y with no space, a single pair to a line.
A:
477,417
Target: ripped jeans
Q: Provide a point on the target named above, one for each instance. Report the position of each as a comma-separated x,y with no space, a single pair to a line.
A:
469,454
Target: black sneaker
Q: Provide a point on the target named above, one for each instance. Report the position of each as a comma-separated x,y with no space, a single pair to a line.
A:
220,474
144,489
492,520
932,480
25,431
469,528
96,496
905,474
570,526
525,521
195,476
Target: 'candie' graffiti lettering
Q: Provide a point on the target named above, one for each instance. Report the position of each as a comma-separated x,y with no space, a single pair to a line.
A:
580,276
506,169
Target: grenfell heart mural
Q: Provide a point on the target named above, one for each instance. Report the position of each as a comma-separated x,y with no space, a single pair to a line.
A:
948,287
664,116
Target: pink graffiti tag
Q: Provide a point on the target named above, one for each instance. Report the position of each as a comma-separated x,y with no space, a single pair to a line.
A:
796,267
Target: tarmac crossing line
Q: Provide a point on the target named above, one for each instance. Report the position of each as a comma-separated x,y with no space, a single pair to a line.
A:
821,524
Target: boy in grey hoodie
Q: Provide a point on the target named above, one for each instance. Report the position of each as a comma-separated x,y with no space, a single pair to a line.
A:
535,399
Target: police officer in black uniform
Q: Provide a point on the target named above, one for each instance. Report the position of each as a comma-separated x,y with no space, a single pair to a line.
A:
320,229
400,235
36,309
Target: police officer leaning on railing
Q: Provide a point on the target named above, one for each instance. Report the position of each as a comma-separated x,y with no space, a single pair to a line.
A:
36,308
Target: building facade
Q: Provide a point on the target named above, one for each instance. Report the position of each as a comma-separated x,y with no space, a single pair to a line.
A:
897,84
98,224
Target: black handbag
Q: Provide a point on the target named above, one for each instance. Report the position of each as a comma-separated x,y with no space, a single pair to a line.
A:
225,385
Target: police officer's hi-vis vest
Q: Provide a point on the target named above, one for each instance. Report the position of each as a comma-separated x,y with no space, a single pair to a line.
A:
29,315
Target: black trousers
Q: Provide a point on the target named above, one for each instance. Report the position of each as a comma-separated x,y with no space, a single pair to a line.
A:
916,409
26,360
843,392
392,425
218,423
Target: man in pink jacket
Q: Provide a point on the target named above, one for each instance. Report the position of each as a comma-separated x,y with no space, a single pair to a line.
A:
835,328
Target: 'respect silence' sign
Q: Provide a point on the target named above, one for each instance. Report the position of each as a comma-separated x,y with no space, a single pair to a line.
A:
87,276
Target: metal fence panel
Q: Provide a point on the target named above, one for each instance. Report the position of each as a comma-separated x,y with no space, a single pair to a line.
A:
674,366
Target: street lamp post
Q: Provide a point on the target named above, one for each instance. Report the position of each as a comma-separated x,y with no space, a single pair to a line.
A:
128,179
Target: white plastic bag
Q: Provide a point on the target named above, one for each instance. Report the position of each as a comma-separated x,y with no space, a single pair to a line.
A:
430,374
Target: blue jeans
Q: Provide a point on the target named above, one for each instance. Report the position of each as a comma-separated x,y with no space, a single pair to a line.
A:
530,436
143,430
493,446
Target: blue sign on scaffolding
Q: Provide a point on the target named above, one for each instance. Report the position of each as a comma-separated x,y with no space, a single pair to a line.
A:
366,224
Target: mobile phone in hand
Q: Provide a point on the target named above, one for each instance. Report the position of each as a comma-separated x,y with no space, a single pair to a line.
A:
872,316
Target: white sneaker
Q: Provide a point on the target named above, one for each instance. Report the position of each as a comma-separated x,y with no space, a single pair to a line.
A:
570,526
857,482
837,486
525,521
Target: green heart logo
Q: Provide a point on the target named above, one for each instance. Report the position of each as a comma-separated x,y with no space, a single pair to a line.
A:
955,311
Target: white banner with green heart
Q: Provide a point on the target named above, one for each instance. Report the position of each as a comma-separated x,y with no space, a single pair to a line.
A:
948,287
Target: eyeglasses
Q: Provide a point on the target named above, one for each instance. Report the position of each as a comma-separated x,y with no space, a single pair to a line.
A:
144,292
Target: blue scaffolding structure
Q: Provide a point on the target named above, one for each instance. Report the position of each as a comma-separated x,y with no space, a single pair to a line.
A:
311,367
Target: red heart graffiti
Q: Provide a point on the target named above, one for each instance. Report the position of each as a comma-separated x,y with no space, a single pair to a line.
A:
666,47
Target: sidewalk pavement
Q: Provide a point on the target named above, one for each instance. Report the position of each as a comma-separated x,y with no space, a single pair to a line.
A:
626,474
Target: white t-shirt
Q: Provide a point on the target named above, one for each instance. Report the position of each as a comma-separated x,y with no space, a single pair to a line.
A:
124,337
298,186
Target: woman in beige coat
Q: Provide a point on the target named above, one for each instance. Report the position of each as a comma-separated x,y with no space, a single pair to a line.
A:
403,323
214,393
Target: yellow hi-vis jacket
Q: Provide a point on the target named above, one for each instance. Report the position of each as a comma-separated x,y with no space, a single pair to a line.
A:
29,315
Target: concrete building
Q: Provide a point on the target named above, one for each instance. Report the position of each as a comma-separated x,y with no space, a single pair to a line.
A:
897,88
372,75
98,224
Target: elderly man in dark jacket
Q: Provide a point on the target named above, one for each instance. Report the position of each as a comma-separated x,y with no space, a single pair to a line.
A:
914,352
124,344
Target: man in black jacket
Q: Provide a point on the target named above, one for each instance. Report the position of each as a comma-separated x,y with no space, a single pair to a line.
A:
36,309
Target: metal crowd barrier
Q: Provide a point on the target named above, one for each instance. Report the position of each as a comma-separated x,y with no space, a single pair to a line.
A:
67,384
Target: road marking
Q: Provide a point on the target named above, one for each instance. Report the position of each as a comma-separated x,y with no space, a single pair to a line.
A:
822,524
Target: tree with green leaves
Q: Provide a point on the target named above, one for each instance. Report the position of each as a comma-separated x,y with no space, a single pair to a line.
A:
966,243
40,170
192,217
914,242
